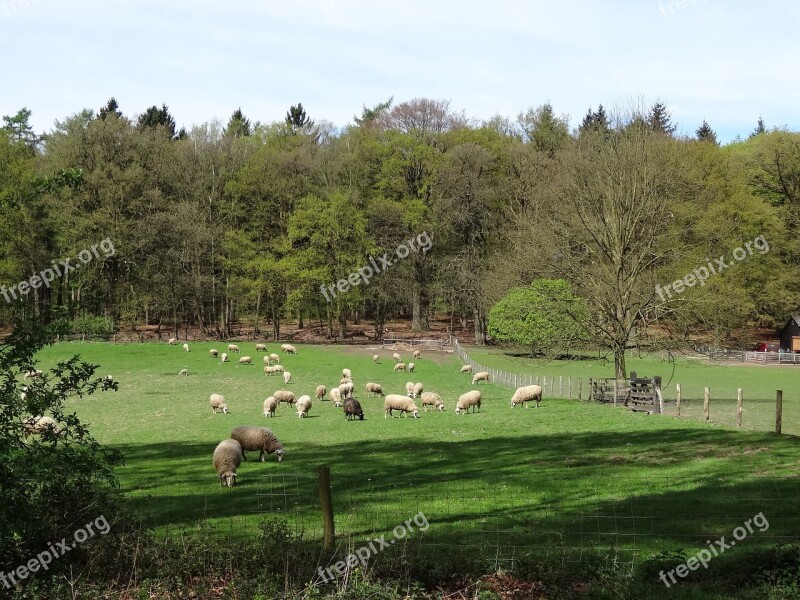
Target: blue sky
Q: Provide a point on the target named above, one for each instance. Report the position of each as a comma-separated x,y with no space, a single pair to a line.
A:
727,62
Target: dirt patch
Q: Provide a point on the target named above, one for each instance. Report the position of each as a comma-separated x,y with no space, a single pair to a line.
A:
436,355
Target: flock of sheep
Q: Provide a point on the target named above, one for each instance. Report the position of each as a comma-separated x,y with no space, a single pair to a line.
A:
229,453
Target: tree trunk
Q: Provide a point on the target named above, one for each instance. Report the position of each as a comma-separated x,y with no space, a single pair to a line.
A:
300,321
419,314
619,361
480,327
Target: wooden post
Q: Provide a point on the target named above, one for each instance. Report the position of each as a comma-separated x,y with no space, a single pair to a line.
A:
591,389
326,503
569,386
678,397
778,411
739,399
580,388
706,394
615,391
560,386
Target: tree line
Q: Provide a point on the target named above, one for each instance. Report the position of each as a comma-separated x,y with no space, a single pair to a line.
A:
243,222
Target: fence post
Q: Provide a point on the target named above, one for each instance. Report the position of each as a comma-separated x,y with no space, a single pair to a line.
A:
560,386
706,394
326,503
778,411
580,388
615,391
569,386
739,399
678,397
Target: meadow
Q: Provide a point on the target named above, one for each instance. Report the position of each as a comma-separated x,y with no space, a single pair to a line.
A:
568,479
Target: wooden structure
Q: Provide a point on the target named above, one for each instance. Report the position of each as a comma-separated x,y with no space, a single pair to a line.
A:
790,334
640,394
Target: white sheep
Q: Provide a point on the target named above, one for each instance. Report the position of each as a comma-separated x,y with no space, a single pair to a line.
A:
246,360
213,353
38,425
257,438
261,347
402,403
224,357
172,341
470,399
345,380
399,367
417,353
233,348
227,458
270,405
274,357
32,373
284,396
482,376
287,377
374,388
288,349
418,388
269,370
303,406
466,369
396,357
347,389
347,373
266,360
321,391
411,367
278,368
336,397
527,394
183,372
217,402
432,399
376,358
186,347
410,389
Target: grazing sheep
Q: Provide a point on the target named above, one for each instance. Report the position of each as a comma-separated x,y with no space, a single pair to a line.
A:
172,341
184,372
38,425
186,347
217,402
303,406
269,370
396,357
376,358
482,376
257,438
374,388
336,396
402,403
228,456
399,367
417,353
274,357
266,360
352,409
432,399
411,367
108,379
288,349
284,396
32,373
270,405
470,399
417,390
347,389
224,357
466,369
410,389
529,393
287,377
213,353
345,380
278,368
261,347
347,373
321,391
233,348
246,360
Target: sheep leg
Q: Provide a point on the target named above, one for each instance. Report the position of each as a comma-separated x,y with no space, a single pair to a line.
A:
261,456
244,456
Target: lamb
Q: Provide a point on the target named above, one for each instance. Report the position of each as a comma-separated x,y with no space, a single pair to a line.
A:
274,357
270,405
183,372
396,357
217,402
172,341
303,406
527,394
417,390
482,376
466,369
432,399
227,458
288,349
246,360
257,438
266,360
411,367
38,425
224,357
336,396
284,396
269,370
186,347
402,403
417,353
352,409
410,389
347,389
399,367
261,347
321,391
346,373
470,399
213,353
287,377
233,348
376,358
374,388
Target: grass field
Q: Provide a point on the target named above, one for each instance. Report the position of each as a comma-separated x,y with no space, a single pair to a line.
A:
569,476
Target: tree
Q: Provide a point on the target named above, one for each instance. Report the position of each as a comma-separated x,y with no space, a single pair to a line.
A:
154,117
544,316
760,128
297,120
20,130
111,108
238,125
547,132
370,115
660,119
706,134
595,122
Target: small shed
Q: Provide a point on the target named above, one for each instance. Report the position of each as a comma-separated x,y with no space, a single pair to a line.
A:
790,334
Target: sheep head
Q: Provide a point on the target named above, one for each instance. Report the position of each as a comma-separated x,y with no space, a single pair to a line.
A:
228,478
279,454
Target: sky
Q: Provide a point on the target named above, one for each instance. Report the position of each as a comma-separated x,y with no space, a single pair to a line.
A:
727,62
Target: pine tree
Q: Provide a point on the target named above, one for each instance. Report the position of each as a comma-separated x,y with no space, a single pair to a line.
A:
297,120
154,116
369,115
660,119
760,128
706,134
596,121
111,107
238,125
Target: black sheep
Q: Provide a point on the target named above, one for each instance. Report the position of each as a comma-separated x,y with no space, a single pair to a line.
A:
352,409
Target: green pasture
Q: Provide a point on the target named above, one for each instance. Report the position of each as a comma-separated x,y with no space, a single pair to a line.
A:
569,476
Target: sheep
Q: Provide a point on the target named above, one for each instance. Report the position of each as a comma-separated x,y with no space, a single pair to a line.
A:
172,341
257,438
352,409
288,349
261,347
374,388
184,372
417,390
347,389
466,369
224,357
266,360
411,367
345,380
270,405
482,376
410,389
399,367
108,379
213,353
227,458
396,357
321,391
246,360
287,377
269,370
303,406
186,347
274,357
336,396
527,394
32,373
285,396
432,399
233,348
347,373
217,402
417,353
38,425
376,358
470,399
402,403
